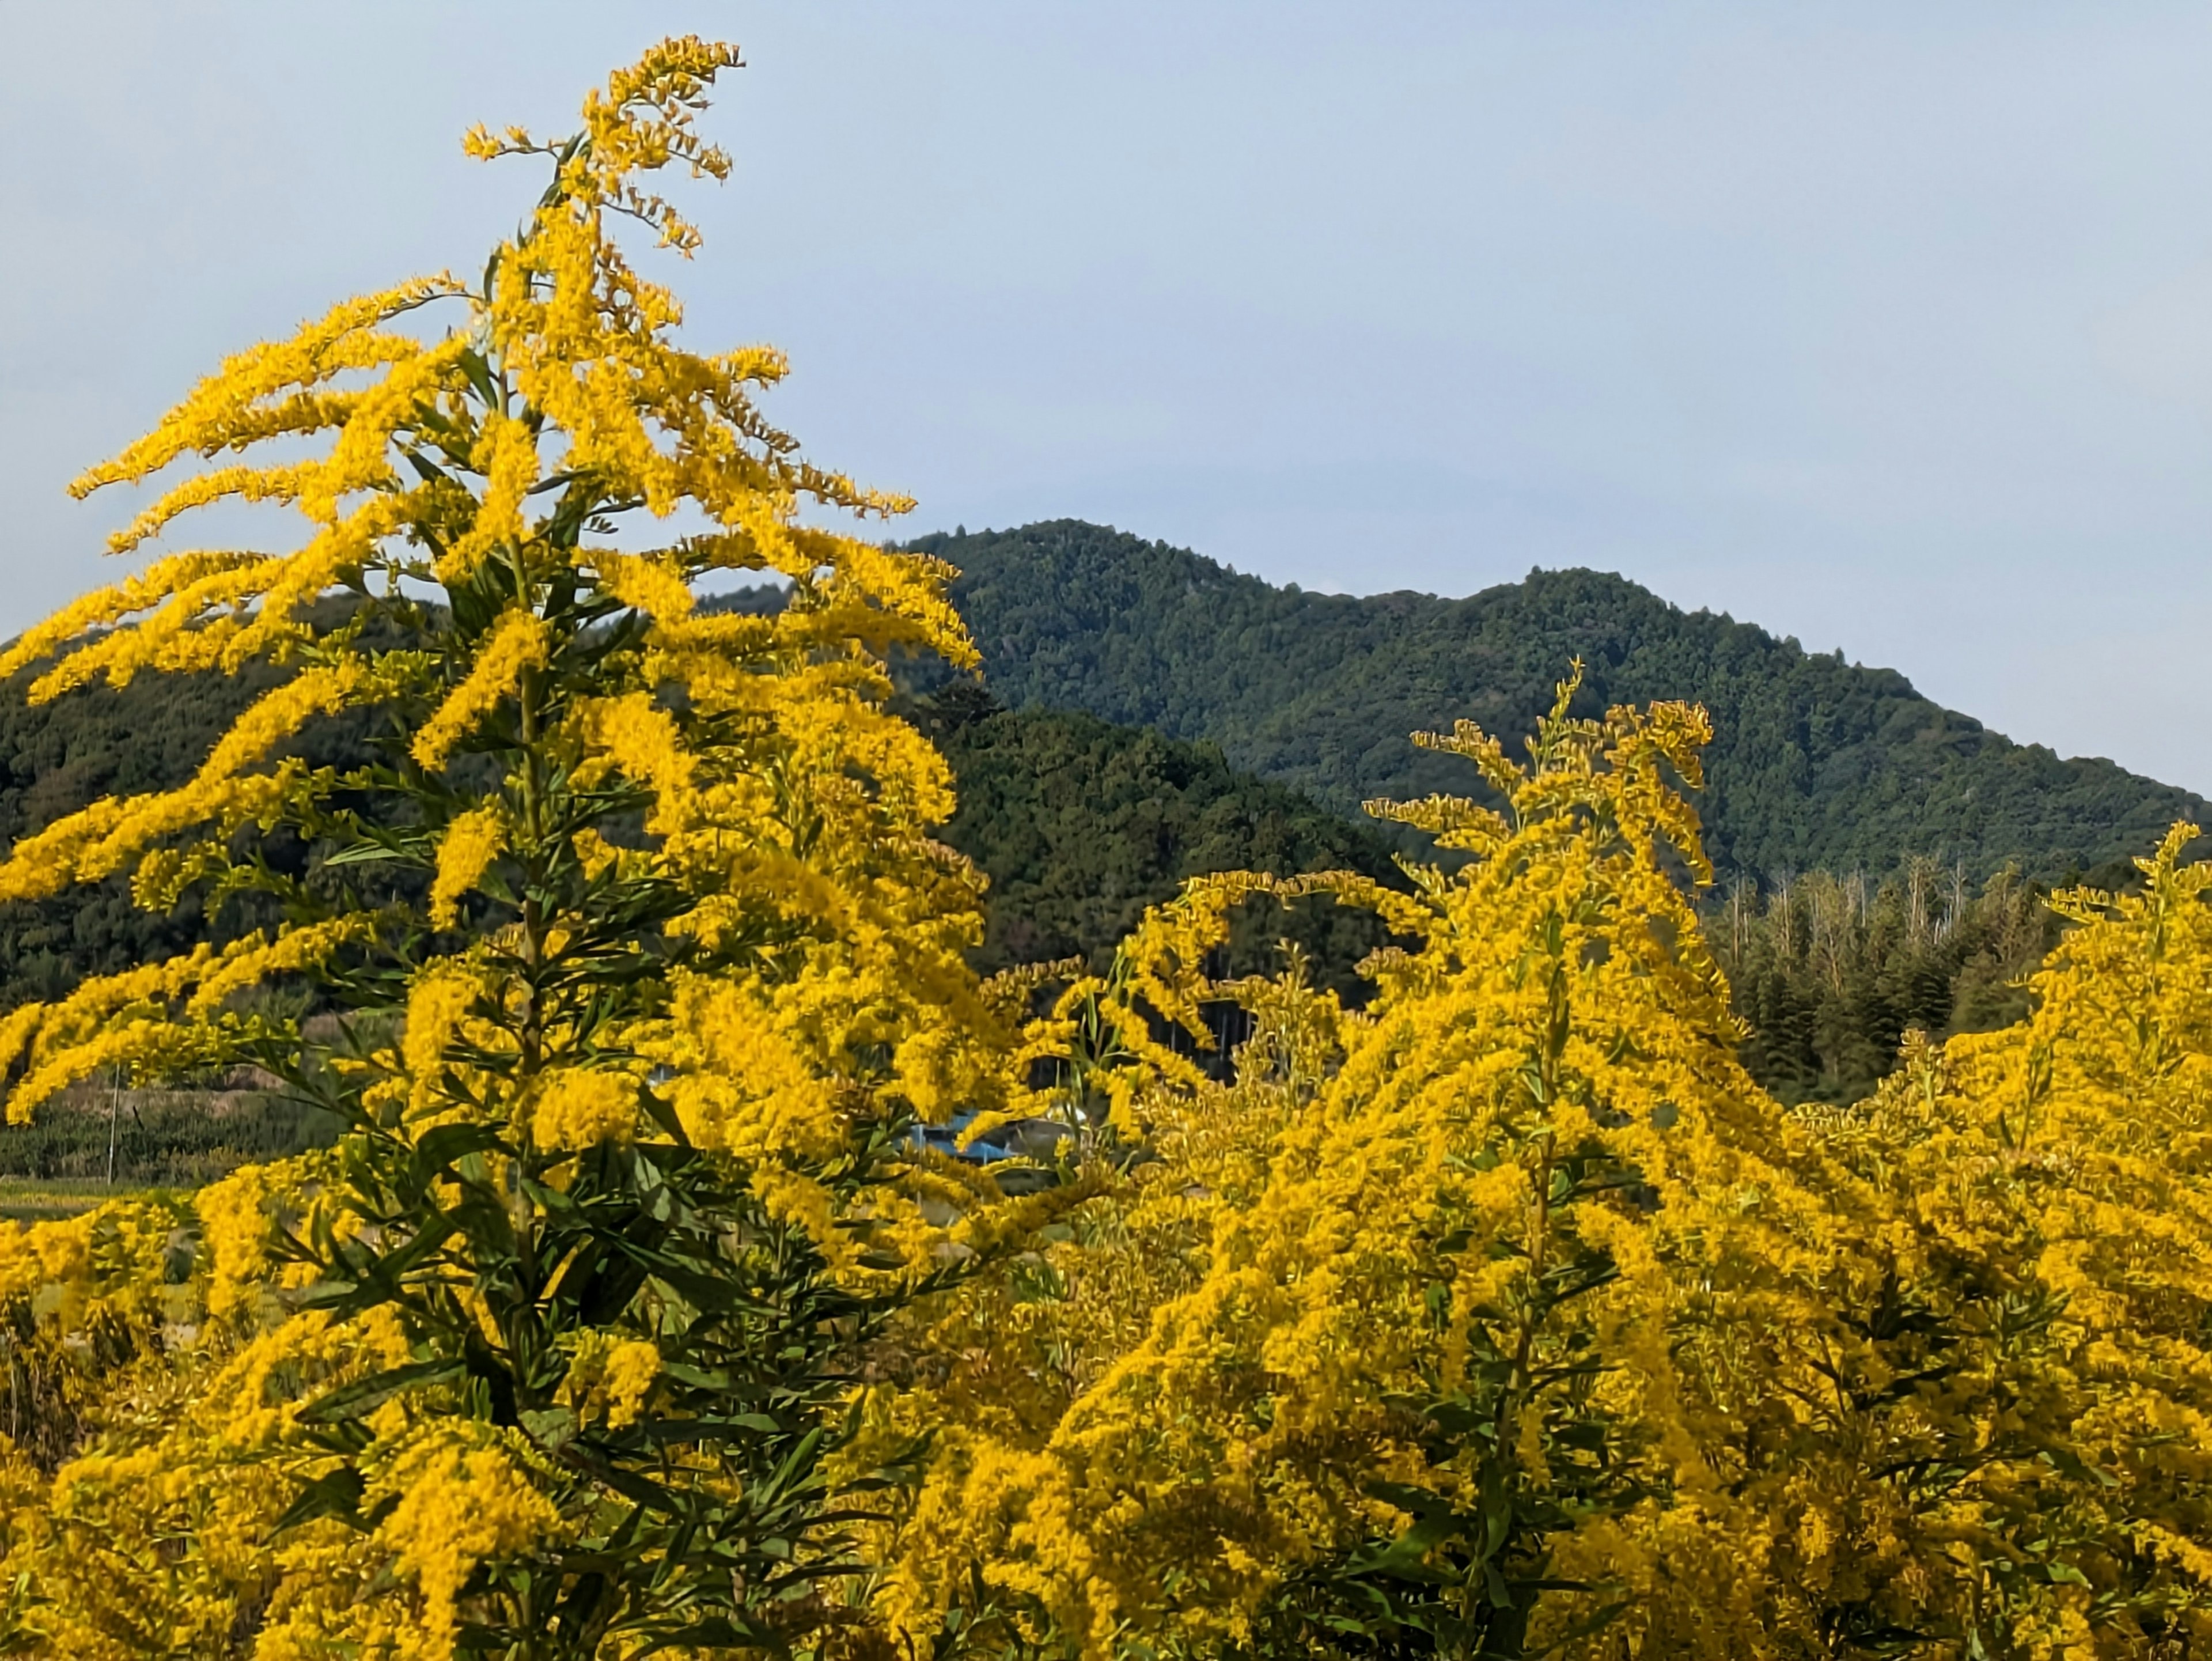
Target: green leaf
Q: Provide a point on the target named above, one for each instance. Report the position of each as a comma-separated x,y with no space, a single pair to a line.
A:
337,1494
364,1395
552,1427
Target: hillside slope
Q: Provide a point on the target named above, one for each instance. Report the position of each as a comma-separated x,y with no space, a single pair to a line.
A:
1079,825
1815,761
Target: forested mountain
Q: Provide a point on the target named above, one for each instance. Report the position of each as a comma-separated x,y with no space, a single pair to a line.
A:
1080,822
1079,825
1815,761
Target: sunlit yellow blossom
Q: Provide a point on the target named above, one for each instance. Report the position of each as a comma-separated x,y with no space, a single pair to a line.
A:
278,716
456,1505
643,741
611,1376
578,1108
466,851
506,453
517,645
441,996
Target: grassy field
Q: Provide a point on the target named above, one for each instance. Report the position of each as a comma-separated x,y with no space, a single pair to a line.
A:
96,1142
29,1200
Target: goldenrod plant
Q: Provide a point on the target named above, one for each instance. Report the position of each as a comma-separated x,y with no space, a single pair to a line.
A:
638,961
1510,1318
2018,1460
639,1308
1397,1348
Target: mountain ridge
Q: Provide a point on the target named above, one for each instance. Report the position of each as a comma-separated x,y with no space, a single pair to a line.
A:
1815,761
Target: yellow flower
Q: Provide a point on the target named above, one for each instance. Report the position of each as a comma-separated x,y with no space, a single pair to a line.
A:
516,645
466,852
577,1109
458,1500
610,1378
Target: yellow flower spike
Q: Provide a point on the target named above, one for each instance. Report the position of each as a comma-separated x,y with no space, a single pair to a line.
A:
280,714
655,587
437,1003
344,339
610,1378
644,742
507,454
595,853
631,1369
168,576
239,1216
577,1110
459,1498
253,960
248,484
466,852
518,644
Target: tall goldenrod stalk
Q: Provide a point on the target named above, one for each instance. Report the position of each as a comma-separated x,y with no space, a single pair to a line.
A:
641,955
1508,1317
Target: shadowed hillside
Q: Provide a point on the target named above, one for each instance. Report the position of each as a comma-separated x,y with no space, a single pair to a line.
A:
1079,825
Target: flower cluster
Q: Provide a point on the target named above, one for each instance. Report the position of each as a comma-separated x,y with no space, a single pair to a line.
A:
633,959
1509,1316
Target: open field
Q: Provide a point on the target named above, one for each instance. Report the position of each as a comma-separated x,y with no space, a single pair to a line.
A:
27,1199
93,1141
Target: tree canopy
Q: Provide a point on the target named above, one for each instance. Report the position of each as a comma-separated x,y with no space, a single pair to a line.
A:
1815,761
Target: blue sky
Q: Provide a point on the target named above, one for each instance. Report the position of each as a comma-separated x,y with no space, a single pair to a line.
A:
1888,326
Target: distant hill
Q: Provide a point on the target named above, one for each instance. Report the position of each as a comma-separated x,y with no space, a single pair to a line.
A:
1079,825
1815,761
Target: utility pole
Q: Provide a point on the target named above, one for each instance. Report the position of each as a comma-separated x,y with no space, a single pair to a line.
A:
114,1113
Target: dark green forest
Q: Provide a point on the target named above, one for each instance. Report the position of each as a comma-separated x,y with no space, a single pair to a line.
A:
1816,763
1222,723
1829,973
1080,826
